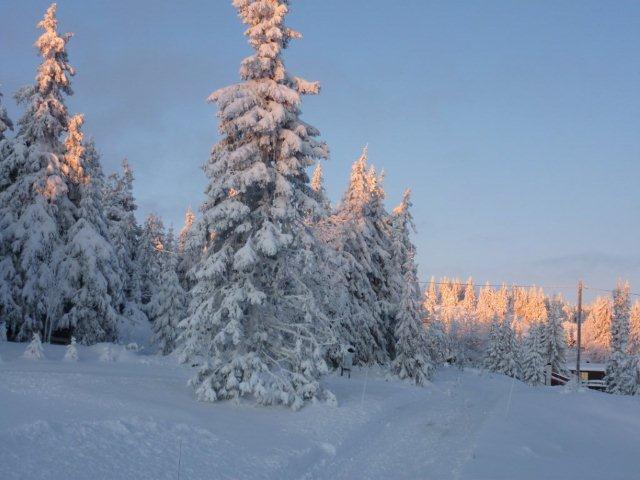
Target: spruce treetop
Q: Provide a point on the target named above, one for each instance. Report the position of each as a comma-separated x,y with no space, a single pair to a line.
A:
402,210
470,300
317,179
365,194
46,116
266,148
267,34
357,192
189,219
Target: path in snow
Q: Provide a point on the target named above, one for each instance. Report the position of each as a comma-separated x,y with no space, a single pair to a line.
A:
420,433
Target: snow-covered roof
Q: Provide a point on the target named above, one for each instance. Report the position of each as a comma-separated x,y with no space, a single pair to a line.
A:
588,367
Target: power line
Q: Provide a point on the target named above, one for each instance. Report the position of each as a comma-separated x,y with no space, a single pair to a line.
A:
500,285
609,290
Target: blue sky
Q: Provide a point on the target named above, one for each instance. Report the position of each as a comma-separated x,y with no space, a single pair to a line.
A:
516,124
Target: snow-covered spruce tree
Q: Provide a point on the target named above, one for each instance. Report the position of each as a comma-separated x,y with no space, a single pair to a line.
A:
533,355
252,315
494,353
348,231
189,219
501,303
388,280
536,309
450,297
5,146
330,286
34,350
88,273
621,373
553,335
411,354
502,351
633,347
471,338
124,232
472,333
360,231
350,304
317,185
436,338
511,360
150,256
484,305
168,305
187,249
469,303
10,311
597,329
71,352
431,301
34,206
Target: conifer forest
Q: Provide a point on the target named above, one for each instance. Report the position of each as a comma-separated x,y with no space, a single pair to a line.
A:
289,328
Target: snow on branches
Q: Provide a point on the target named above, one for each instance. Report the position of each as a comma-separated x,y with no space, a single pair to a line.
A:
253,315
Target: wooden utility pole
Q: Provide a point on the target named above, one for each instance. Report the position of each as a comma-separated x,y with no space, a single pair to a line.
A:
579,321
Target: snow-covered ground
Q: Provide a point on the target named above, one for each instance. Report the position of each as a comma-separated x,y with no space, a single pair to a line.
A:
130,419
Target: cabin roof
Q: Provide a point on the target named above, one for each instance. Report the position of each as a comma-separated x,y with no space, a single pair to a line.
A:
588,367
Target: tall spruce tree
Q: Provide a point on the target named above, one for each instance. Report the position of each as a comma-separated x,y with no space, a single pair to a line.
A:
621,372
553,335
5,145
34,206
168,305
151,257
494,352
411,355
10,311
317,185
533,355
502,352
88,274
511,360
413,358
187,250
252,316
360,231
124,232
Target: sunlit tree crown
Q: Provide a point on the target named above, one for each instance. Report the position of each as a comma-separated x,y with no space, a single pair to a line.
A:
46,116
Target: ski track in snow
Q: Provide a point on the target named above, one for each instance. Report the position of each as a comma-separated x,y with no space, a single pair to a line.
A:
126,420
